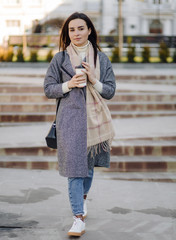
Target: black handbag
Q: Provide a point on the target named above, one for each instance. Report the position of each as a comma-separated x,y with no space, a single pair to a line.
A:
51,139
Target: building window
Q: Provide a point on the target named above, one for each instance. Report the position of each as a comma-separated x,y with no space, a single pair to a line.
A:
12,2
156,27
13,23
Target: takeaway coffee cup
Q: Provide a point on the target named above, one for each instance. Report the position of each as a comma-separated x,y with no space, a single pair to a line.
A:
78,71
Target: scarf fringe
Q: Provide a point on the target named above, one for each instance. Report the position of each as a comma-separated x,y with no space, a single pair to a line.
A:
97,149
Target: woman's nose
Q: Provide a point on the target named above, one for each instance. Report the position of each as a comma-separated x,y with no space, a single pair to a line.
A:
76,32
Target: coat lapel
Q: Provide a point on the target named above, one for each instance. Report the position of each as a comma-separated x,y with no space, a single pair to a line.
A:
66,67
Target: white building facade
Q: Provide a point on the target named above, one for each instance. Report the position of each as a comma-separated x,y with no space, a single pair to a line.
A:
18,16
140,17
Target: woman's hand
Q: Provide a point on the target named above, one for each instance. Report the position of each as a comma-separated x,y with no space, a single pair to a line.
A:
76,80
90,72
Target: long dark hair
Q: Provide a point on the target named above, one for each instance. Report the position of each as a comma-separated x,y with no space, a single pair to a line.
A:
64,40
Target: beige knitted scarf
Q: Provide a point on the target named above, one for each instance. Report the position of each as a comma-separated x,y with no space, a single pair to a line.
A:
100,130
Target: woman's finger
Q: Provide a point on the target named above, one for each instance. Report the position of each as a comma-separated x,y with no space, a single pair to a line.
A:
82,77
86,65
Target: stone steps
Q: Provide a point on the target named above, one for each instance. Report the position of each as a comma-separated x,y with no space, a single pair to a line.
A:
143,147
118,163
143,164
113,106
119,148
41,107
36,94
23,97
137,114
148,81
29,162
23,104
38,88
27,117
153,176
146,77
141,106
145,96
18,88
119,97
129,76
50,116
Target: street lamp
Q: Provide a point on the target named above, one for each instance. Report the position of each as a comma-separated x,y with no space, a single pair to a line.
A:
120,28
24,41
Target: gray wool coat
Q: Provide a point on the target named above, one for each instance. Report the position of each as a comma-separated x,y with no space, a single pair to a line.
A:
71,119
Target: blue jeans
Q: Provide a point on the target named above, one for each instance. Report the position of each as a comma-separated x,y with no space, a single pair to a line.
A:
77,188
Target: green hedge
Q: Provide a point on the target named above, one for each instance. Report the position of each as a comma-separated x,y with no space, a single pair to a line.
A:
163,52
7,55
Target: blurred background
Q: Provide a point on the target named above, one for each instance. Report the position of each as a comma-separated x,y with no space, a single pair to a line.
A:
129,30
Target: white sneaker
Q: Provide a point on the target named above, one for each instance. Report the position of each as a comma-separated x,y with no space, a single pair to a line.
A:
85,209
78,228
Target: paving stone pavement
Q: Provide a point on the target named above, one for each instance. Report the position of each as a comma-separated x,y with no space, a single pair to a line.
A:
34,205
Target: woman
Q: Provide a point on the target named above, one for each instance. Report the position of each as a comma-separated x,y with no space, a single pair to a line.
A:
83,122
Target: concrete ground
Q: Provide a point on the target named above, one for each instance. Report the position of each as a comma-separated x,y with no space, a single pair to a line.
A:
34,205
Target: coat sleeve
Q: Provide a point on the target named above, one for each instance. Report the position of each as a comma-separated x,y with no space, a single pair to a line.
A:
52,81
107,77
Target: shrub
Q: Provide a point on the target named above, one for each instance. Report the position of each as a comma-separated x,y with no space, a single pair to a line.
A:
174,57
6,55
163,52
146,55
115,55
1,54
129,40
10,54
33,56
131,54
49,56
20,56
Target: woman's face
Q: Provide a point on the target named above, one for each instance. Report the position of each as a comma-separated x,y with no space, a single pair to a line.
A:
78,32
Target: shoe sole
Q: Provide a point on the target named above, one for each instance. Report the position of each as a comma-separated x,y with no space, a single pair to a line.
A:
76,234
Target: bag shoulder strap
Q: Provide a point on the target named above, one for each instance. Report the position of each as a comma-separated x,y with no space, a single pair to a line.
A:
58,100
